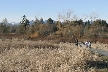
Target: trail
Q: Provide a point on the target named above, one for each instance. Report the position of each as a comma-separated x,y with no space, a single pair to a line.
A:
102,52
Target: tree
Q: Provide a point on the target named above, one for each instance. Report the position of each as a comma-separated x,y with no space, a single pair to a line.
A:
104,23
24,22
84,17
75,18
50,21
80,22
41,20
86,27
87,23
100,22
4,26
93,16
65,16
13,28
58,25
37,20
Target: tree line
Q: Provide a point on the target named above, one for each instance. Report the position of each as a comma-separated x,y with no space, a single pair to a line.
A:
96,28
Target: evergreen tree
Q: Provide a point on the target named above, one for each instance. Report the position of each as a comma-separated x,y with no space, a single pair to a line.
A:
24,22
80,22
50,21
104,23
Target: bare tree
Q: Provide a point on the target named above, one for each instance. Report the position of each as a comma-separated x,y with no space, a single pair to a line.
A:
75,17
65,15
59,17
84,17
37,20
93,16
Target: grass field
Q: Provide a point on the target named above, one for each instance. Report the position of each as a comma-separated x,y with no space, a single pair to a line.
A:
19,55
100,46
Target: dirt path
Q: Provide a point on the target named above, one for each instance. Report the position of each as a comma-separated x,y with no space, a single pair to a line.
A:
99,51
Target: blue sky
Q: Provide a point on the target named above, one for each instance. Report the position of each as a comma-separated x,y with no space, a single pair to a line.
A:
13,10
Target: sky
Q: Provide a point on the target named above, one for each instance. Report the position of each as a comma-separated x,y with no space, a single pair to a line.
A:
13,10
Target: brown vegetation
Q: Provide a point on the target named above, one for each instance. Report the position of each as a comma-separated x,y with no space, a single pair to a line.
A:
94,30
36,34
46,56
40,47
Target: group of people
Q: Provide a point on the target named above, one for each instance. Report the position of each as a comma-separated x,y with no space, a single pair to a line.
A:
87,43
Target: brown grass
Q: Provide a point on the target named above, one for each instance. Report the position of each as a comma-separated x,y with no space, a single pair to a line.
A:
36,34
44,56
100,46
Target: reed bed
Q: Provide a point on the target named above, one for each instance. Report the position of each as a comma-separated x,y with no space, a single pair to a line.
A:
44,56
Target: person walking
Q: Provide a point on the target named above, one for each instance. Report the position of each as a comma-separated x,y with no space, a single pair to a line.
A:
76,41
86,43
89,44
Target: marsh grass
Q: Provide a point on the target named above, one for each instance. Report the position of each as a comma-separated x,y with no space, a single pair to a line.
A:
45,56
100,46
